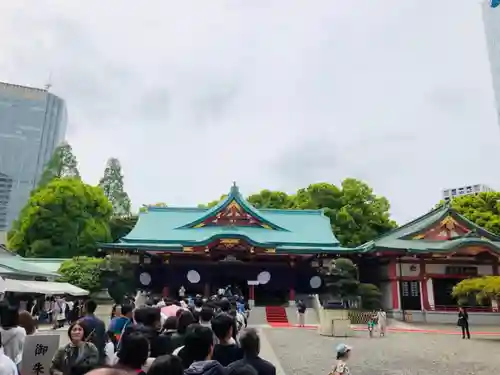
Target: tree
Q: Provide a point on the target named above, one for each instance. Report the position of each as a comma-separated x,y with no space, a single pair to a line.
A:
341,280
64,219
340,277
121,226
114,273
112,185
370,296
84,272
483,289
483,209
357,215
144,207
117,276
62,164
271,199
213,203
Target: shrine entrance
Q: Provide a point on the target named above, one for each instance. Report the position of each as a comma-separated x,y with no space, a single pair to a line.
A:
266,295
233,275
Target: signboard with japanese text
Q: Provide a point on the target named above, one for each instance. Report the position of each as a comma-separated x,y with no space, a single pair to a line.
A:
37,354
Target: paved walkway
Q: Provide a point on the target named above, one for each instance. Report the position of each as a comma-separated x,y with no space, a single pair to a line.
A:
304,352
267,352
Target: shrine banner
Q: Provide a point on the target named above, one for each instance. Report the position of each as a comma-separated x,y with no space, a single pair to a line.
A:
38,352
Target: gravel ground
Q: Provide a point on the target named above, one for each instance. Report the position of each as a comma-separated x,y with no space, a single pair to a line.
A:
306,352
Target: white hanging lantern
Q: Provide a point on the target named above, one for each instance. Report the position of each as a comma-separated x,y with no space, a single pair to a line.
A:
145,278
263,277
315,282
193,277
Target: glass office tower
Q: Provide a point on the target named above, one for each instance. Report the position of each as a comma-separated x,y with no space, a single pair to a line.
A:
32,124
491,19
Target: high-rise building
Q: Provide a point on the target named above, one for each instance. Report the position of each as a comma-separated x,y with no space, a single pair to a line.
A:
491,19
32,124
448,194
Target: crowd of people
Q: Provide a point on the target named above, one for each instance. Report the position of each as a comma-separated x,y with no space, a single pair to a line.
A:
202,337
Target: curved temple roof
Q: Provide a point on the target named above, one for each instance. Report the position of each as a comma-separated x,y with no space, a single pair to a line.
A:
288,231
442,230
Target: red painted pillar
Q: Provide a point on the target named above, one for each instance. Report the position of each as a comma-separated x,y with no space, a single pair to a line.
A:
423,283
393,277
292,295
206,291
495,267
165,291
251,292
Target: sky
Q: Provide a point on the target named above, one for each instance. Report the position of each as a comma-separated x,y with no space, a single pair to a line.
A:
193,95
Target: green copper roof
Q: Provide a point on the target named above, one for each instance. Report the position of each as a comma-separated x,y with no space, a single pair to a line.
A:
234,195
171,228
17,265
403,238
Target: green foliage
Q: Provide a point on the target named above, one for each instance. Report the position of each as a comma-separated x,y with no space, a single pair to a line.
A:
84,272
112,185
370,296
213,203
341,278
94,274
117,276
271,199
483,209
64,219
484,289
144,207
121,226
62,164
357,215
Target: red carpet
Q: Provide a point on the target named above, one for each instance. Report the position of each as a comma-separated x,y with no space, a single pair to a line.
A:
404,330
440,331
276,316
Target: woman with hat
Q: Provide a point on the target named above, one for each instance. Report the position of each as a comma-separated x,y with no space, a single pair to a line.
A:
343,354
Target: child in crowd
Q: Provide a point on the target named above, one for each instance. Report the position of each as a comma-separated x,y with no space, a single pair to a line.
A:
371,325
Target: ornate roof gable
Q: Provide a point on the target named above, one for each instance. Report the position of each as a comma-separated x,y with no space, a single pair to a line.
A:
234,210
449,226
442,230
446,229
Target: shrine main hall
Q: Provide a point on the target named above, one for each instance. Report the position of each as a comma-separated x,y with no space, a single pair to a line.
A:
274,256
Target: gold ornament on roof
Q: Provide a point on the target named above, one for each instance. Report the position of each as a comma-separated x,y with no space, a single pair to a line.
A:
230,241
449,223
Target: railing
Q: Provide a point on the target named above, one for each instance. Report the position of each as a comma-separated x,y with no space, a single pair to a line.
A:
451,308
360,317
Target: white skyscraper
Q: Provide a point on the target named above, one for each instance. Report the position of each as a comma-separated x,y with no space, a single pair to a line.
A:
448,194
491,19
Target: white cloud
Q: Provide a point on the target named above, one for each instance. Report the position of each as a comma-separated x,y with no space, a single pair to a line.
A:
191,95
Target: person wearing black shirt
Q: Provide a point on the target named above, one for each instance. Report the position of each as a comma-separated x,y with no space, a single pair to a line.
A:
226,351
96,329
250,344
133,353
197,353
463,322
301,312
184,320
148,321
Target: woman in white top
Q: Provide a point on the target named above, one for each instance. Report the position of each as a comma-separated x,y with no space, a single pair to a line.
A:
7,367
382,322
13,336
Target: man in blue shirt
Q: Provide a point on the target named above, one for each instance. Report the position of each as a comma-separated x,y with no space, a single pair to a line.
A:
119,323
95,327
